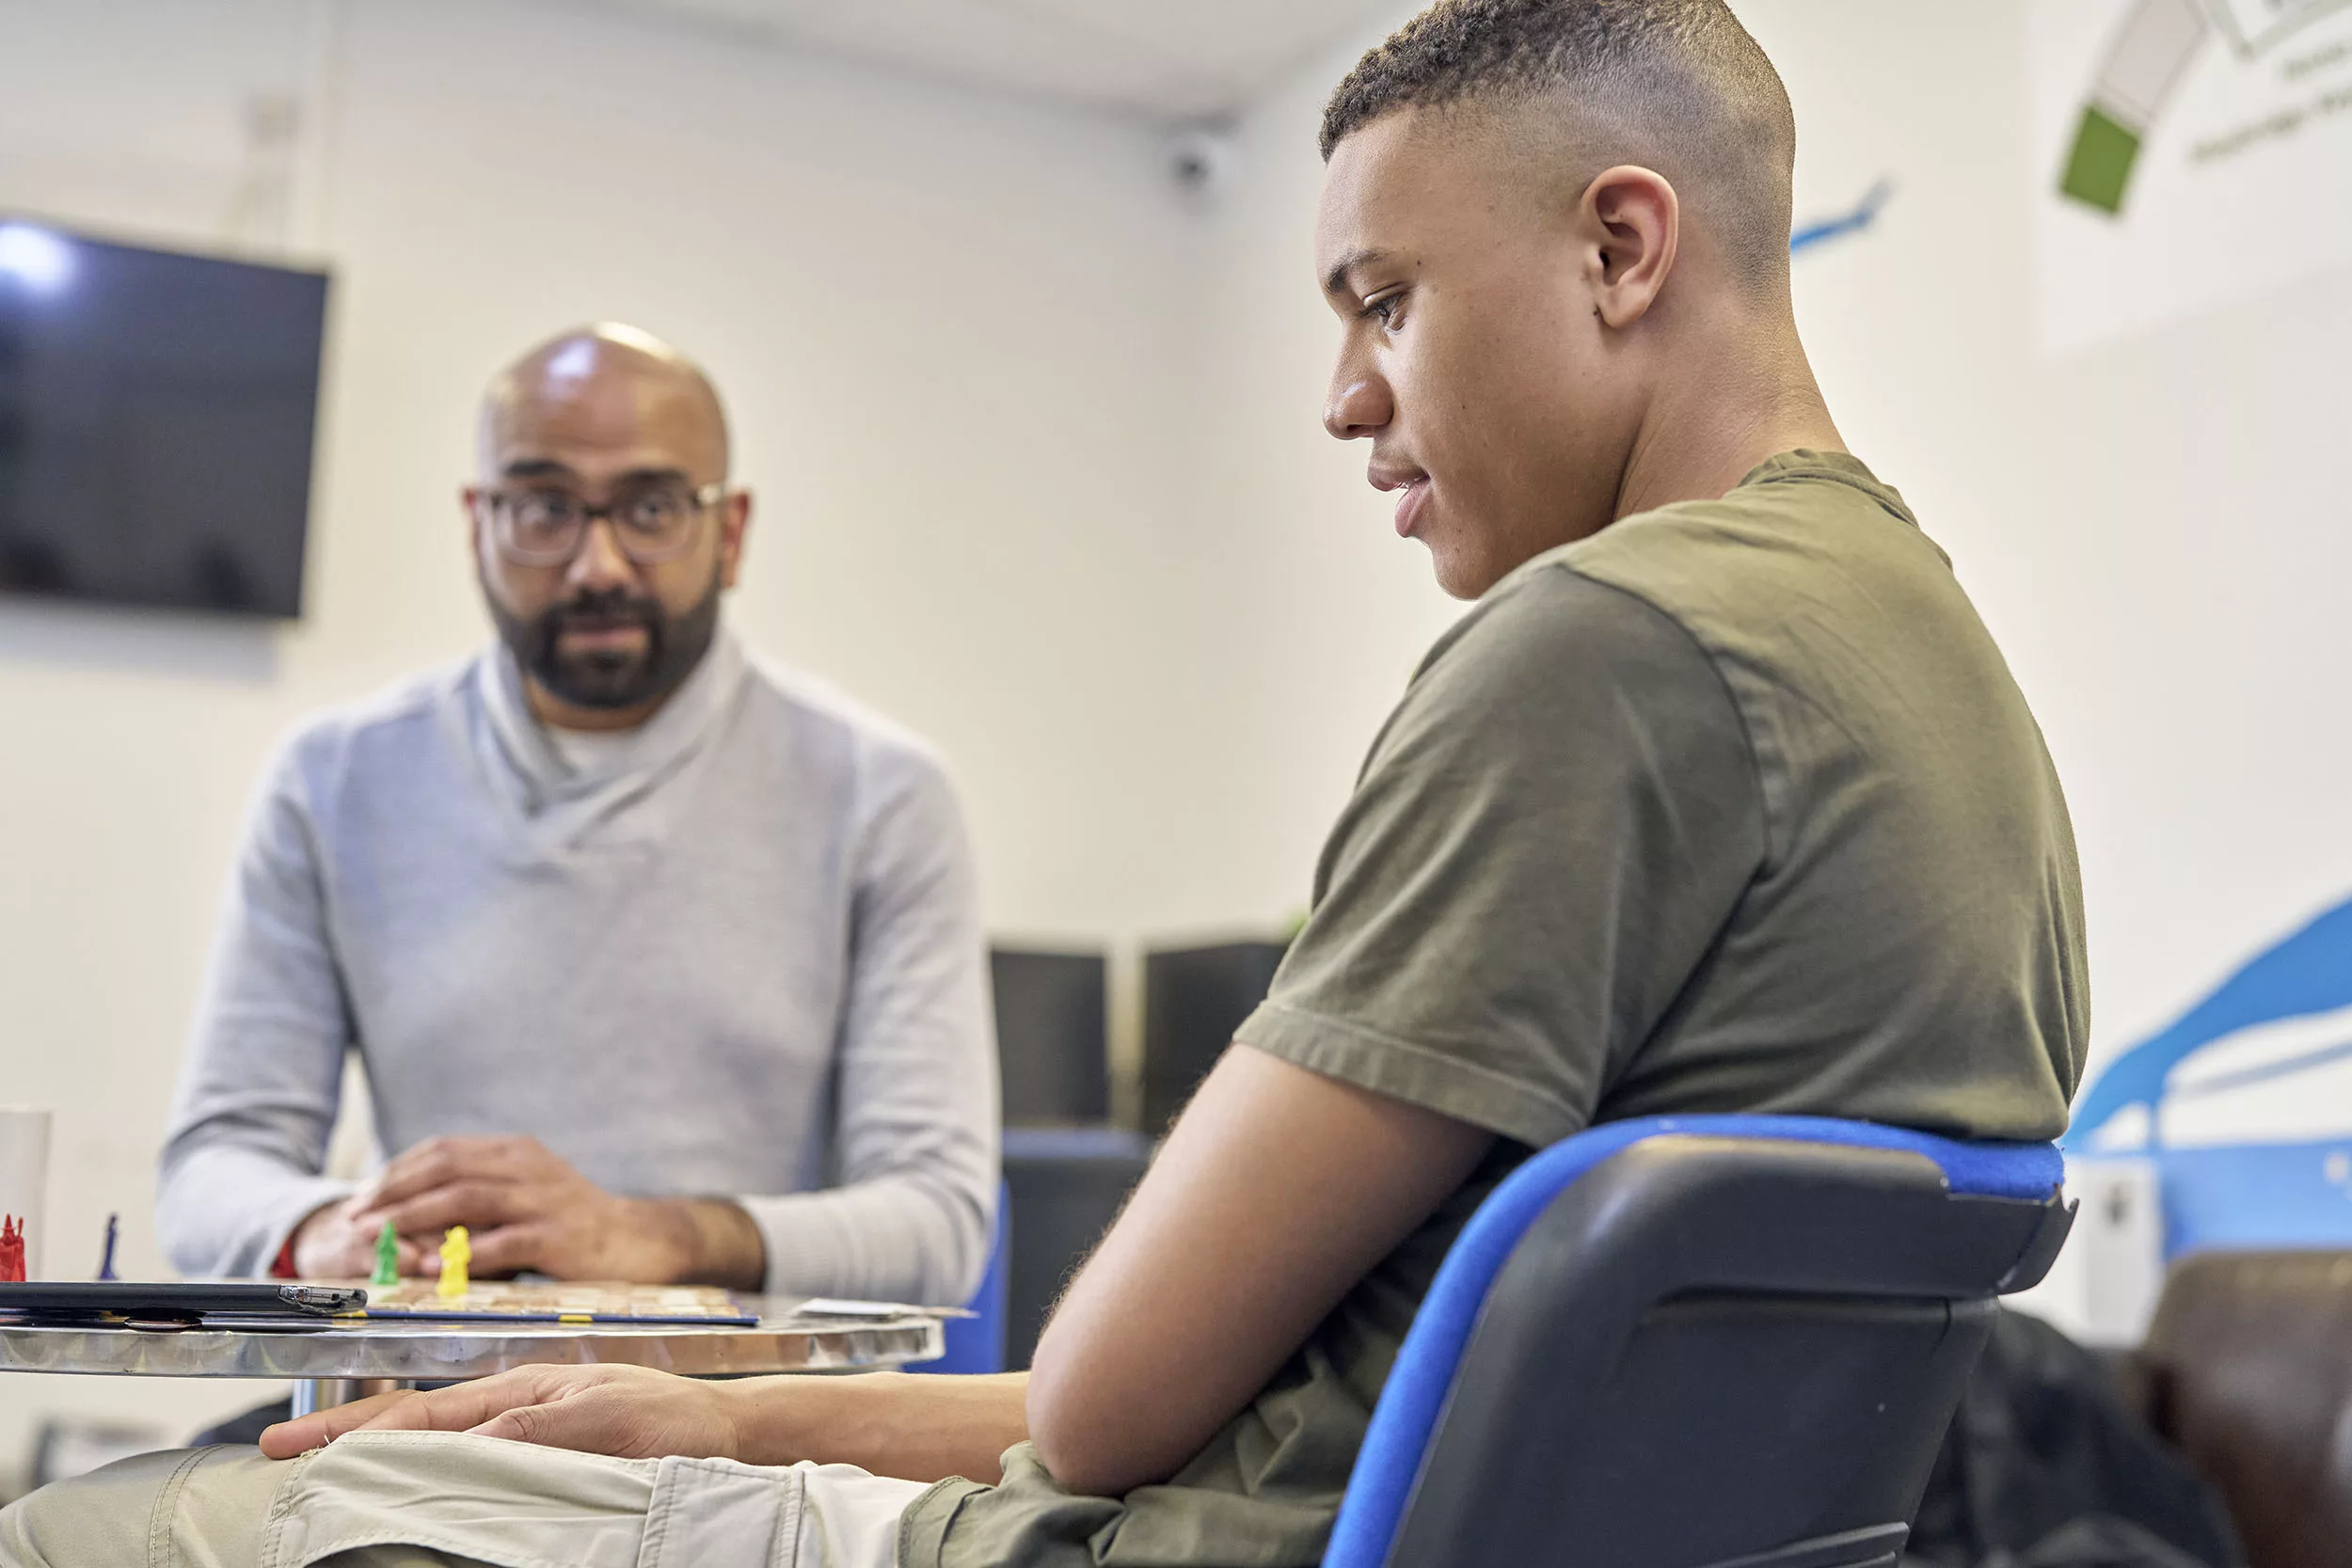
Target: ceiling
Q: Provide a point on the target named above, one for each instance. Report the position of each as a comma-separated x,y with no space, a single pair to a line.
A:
1171,61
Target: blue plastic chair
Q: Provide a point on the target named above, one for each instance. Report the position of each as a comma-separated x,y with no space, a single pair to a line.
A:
977,1343
1698,1342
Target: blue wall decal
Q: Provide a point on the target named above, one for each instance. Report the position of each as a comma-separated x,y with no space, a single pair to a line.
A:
2310,972
2284,1194
1864,213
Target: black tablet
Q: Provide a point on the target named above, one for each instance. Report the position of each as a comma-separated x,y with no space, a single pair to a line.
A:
177,1304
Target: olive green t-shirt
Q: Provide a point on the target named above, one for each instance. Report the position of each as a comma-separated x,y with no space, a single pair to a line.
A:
1733,806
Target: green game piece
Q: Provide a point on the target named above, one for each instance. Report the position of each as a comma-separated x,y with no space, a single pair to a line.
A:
387,1257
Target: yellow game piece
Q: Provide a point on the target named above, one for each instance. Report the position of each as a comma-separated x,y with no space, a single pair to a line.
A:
457,1252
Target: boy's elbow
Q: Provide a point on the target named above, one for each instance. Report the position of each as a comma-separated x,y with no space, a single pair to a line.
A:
1086,1447
1083,1465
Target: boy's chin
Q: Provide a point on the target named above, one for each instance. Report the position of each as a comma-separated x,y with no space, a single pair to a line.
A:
1463,574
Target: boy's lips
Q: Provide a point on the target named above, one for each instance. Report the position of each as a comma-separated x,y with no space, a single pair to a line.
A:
1408,506
1413,491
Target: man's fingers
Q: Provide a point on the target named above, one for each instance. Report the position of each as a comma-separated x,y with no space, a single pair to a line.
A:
438,1161
510,1249
421,1169
474,1203
520,1158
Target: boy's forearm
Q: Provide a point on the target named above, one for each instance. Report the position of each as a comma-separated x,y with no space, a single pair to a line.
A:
915,1428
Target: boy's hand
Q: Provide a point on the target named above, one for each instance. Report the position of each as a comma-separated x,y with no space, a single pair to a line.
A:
632,1412
915,1428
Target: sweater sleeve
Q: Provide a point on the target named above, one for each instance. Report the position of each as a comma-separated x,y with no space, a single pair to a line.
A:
263,1075
914,1071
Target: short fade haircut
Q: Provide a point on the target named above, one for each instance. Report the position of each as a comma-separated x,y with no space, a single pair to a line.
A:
1676,85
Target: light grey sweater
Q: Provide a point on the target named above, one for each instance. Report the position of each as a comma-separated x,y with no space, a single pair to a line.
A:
739,956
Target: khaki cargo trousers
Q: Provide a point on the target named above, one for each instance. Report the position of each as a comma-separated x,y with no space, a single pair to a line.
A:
413,1500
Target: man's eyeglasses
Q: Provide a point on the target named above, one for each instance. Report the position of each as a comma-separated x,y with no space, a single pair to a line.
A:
547,526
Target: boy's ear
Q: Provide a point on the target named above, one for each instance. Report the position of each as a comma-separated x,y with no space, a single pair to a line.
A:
1631,222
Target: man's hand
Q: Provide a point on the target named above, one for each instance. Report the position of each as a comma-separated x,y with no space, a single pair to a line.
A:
335,1243
631,1411
527,1208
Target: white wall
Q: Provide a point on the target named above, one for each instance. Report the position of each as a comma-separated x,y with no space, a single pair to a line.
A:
2157,530
1041,474
940,320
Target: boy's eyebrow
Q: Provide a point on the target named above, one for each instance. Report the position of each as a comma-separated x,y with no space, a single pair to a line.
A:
1335,281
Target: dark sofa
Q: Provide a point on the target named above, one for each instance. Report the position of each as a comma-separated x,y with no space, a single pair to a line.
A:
2246,1371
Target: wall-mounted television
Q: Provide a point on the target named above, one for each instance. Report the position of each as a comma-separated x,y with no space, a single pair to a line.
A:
157,413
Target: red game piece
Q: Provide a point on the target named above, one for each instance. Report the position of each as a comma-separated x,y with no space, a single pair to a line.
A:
11,1251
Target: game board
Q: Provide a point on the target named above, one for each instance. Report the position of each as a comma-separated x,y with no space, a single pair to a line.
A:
560,1301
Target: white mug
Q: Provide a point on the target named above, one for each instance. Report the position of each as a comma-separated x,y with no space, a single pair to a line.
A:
25,1176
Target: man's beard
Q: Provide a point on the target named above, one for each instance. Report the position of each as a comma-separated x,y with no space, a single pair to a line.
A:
602,679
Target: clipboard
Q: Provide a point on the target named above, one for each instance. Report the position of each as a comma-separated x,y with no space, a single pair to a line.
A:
259,1303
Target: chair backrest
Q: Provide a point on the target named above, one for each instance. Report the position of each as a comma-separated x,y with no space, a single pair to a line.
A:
1194,998
1067,1185
1053,1035
1698,1342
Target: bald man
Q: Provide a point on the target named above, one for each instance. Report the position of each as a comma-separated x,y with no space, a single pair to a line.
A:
664,964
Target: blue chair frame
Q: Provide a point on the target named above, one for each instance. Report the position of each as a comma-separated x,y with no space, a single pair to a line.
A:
1698,1342
975,1344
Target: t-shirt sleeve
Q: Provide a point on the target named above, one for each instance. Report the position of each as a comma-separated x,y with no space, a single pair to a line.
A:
1547,836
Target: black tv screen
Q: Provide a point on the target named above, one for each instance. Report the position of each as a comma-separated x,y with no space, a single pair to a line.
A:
156,416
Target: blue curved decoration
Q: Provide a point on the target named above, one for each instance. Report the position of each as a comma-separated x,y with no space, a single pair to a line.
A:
1865,213
2310,972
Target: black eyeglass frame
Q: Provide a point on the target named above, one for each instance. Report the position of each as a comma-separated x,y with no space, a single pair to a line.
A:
493,506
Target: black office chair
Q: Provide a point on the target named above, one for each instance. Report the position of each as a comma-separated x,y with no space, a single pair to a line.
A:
1065,1185
1698,1342
1053,1035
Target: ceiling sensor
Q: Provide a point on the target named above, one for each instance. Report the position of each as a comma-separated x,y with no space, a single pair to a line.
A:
1201,157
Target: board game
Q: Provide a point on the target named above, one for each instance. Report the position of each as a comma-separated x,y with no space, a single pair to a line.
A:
559,1301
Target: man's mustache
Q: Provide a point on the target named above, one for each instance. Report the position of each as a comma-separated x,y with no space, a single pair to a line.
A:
602,614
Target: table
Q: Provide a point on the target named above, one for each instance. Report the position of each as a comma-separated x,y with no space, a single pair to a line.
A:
329,1364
